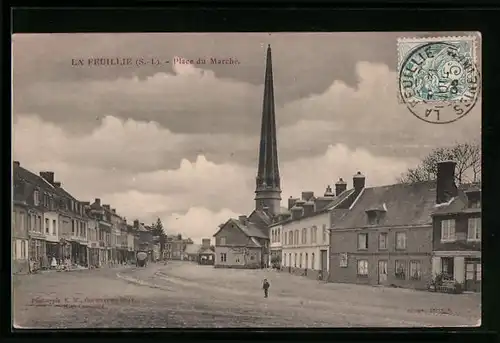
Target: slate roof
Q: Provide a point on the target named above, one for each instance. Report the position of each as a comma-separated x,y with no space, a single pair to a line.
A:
459,203
20,174
343,197
406,204
249,229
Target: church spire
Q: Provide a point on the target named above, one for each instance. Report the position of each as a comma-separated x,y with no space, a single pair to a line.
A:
268,190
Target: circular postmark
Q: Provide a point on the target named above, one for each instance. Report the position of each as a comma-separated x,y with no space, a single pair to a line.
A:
439,81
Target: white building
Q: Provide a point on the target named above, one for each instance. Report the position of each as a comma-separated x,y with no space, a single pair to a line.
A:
305,237
275,239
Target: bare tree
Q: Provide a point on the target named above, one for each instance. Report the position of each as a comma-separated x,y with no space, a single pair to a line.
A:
466,155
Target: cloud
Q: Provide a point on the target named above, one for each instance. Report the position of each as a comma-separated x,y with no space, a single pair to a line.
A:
194,197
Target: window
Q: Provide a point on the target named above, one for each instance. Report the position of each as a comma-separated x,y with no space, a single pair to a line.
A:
222,241
474,229
295,260
223,257
47,225
73,227
362,267
312,261
290,237
285,238
36,198
237,260
21,220
400,270
382,241
314,231
362,241
325,233
252,257
343,260
448,230
415,270
54,227
300,260
401,240
296,238
279,235
304,236
39,226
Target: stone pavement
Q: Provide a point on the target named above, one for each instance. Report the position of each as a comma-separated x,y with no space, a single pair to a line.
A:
188,295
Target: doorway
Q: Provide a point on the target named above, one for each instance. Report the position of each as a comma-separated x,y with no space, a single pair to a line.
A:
382,272
324,264
447,266
473,275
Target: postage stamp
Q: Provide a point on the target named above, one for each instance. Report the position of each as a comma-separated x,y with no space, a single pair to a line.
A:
438,77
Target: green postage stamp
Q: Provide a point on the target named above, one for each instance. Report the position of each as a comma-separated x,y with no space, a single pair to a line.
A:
438,77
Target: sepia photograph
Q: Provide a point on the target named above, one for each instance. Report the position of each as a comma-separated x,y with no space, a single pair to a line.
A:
270,180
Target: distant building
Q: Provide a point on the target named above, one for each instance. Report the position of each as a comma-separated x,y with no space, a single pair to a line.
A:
457,230
192,252
206,256
239,243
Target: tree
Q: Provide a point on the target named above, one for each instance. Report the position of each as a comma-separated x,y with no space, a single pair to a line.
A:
466,155
157,230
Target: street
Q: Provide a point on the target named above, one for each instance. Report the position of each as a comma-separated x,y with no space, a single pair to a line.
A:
183,294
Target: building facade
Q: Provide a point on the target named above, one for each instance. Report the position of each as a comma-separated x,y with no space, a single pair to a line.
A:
385,238
20,238
457,232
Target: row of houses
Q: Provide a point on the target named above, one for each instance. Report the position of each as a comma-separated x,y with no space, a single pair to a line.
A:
400,235
50,225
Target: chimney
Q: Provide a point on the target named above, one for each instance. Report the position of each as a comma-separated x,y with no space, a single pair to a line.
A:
307,195
243,219
445,188
358,182
57,184
297,212
97,201
113,210
17,163
205,243
291,202
142,224
48,176
309,208
328,192
107,207
136,223
340,186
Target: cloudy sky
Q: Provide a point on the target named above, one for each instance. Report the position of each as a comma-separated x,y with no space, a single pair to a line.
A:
180,142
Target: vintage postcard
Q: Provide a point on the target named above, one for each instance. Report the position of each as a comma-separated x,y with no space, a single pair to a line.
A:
220,180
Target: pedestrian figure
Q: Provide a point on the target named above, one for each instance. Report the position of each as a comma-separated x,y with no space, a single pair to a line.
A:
265,287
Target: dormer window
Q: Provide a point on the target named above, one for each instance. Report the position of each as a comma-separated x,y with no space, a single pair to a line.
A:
374,216
474,198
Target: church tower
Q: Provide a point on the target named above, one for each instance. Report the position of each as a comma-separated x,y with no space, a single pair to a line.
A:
268,190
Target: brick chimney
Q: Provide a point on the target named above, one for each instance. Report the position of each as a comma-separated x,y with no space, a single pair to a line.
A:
328,192
340,186
136,223
17,163
205,243
297,211
57,184
445,188
358,182
97,201
113,210
291,202
107,207
243,219
48,176
309,208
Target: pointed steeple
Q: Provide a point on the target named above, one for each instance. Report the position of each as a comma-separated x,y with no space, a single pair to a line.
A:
268,190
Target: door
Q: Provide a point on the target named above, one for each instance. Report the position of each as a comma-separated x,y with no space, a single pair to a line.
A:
382,272
324,264
473,276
